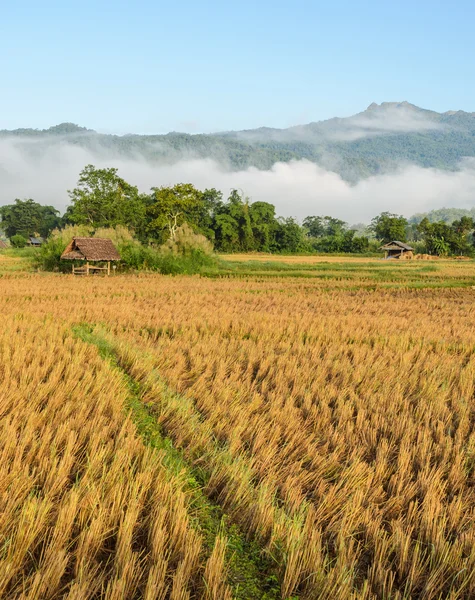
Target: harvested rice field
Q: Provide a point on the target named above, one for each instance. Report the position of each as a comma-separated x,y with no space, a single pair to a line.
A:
259,434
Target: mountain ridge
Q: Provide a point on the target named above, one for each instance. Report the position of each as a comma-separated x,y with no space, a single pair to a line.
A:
375,141
67,127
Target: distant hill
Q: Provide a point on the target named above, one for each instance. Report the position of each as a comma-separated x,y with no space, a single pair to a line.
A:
375,141
448,215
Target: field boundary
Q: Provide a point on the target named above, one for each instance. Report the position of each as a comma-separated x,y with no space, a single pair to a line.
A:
251,570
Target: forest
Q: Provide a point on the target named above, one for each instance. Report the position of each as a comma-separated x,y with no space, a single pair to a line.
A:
206,221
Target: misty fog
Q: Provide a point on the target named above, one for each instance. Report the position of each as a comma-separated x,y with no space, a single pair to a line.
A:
298,188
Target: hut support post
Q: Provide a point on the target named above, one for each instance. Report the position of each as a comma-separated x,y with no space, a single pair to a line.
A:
87,268
108,268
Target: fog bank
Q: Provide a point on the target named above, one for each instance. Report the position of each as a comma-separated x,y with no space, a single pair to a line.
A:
298,188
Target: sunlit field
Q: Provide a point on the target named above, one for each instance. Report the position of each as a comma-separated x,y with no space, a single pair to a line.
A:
262,433
298,259
338,271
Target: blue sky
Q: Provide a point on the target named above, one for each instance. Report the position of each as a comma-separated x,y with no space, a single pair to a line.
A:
151,67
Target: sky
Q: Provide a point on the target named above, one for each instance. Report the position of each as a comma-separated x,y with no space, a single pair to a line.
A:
152,67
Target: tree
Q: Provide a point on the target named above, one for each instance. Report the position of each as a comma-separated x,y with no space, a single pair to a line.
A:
212,206
328,234
290,236
171,207
226,232
27,218
388,227
463,235
324,226
314,226
238,208
103,199
263,224
357,244
442,239
334,227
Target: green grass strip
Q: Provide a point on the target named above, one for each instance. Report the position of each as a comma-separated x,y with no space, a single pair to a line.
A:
251,575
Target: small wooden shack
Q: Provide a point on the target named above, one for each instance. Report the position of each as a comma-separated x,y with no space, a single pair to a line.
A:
396,249
36,242
3,245
95,250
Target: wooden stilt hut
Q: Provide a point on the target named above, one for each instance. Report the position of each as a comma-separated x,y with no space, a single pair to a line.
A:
397,249
91,250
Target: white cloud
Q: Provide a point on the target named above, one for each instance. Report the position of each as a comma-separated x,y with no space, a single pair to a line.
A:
298,188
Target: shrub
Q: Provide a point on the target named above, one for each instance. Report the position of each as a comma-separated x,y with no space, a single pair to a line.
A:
138,257
18,241
119,235
187,264
187,242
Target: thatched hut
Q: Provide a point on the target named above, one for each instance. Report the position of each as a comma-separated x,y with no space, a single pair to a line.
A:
95,250
3,245
397,249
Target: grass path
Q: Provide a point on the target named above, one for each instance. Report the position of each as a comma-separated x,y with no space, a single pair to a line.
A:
251,573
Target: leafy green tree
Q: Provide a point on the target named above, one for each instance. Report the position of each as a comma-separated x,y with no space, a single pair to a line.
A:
463,235
227,232
324,226
388,227
463,226
328,234
103,199
442,239
357,244
263,223
212,205
290,236
27,218
334,227
243,226
314,226
171,207
238,208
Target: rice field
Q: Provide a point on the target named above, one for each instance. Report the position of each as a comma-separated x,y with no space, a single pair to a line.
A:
258,435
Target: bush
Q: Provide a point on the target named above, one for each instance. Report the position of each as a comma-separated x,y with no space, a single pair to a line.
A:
186,242
138,257
18,241
119,235
187,264
188,253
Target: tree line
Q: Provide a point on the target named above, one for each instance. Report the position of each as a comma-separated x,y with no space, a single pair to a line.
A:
103,199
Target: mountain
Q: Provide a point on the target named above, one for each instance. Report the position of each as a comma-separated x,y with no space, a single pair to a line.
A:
375,141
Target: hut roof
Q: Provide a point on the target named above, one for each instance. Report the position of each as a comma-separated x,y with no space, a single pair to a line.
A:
3,245
90,249
36,240
396,245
